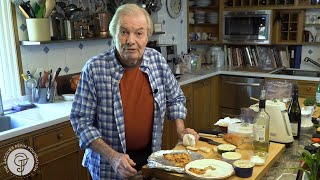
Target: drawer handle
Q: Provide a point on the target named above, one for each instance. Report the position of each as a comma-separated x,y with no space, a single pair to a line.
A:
60,136
309,89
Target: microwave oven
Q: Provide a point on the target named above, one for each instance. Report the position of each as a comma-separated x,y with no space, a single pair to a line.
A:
247,27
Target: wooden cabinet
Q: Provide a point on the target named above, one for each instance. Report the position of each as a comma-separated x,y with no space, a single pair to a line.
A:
288,26
202,109
215,99
58,152
204,23
307,88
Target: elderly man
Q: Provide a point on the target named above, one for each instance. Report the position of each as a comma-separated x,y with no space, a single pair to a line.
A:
122,97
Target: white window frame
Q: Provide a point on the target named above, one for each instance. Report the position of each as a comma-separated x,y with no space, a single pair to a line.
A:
9,70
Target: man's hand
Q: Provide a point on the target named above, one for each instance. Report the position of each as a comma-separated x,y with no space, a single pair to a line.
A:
182,132
122,164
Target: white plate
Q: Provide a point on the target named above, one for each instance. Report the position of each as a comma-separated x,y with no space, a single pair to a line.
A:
223,169
68,97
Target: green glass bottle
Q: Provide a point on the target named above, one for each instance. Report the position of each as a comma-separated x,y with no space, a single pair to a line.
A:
295,113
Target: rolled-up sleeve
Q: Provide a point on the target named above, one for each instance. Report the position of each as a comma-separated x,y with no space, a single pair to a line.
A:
83,112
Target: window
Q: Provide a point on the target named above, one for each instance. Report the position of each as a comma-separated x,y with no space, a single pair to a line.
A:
9,74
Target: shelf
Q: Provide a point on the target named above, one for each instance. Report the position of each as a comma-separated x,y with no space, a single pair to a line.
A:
204,8
202,42
275,7
311,25
34,43
204,24
311,43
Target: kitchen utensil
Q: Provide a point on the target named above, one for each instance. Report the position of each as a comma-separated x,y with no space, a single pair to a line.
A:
68,10
37,91
69,29
60,10
212,132
55,75
209,141
24,9
104,19
48,95
49,4
29,7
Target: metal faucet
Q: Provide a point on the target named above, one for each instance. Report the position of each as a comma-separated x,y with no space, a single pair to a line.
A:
312,61
1,106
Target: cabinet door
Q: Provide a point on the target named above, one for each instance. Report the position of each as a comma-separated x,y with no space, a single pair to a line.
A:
289,26
215,100
4,148
202,109
307,88
61,162
169,136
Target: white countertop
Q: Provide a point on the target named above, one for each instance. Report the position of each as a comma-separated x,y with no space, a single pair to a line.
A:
45,115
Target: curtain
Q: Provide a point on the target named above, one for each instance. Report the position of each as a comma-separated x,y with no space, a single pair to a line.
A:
9,73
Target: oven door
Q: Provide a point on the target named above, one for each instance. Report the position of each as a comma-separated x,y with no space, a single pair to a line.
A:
235,93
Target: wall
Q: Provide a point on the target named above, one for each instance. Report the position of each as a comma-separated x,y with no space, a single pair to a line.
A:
311,51
71,56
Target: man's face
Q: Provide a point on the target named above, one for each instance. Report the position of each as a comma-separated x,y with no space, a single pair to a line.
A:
131,38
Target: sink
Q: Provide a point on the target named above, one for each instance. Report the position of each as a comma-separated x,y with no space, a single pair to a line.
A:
8,123
41,115
297,72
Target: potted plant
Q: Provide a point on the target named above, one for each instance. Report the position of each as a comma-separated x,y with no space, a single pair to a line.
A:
310,104
311,165
309,101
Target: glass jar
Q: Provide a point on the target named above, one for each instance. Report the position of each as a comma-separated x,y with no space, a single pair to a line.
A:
217,56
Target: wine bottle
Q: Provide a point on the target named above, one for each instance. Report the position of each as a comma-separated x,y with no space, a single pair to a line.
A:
261,128
318,94
295,113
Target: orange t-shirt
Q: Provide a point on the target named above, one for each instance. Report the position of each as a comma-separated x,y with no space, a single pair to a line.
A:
137,103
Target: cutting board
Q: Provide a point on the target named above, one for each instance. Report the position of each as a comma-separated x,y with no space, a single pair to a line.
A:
275,151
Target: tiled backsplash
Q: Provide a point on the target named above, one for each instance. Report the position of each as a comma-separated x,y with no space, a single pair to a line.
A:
313,53
71,56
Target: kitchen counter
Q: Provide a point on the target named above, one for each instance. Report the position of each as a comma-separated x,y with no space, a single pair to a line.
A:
46,115
53,113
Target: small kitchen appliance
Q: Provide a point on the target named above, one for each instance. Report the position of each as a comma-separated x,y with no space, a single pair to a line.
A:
280,128
169,52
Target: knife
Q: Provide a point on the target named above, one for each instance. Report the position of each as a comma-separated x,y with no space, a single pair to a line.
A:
209,141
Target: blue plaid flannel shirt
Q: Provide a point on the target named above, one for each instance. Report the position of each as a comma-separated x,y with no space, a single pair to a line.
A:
97,109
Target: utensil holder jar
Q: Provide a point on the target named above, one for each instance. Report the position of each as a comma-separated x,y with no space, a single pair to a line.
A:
38,29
